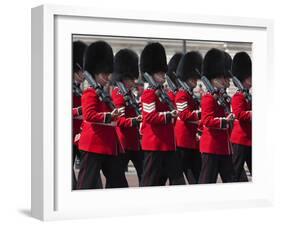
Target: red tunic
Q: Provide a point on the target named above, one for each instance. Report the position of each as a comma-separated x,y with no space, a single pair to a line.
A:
76,117
242,129
157,127
126,128
215,138
98,135
188,119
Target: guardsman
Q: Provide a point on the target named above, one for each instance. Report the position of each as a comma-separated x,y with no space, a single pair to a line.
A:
171,73
98,142
188,72
77,62
228,76
158,141
241,136
125,72
215,147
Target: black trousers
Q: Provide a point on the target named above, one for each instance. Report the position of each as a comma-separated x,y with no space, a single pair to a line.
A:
212,165
92,163
241,154
137,159
159,163
190,164
75,152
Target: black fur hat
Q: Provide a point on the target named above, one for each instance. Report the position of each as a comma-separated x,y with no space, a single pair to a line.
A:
99,58
242,66
214,64
190,66
228,63
78,49
173,65
125,65
153,59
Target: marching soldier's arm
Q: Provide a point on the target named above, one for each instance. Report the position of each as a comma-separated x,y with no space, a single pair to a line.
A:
239,108
185,112
209,119
122,120
90,102
150,115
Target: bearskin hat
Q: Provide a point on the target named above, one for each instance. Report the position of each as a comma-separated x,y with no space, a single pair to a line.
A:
78,49
228,62
99,58
190,66
242,66
213,64
153,59
173,64
125,65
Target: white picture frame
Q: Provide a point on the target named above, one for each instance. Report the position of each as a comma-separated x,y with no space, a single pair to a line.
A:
52,197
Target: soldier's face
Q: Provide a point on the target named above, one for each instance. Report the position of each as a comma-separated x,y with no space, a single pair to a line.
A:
78,76
140,89
219,82
192,82
227,82
129,83
159,77
103,78
248,82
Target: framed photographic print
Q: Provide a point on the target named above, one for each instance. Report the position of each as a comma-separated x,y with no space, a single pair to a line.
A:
63,183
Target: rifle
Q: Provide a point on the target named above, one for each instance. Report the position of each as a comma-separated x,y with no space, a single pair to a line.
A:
76,89
172,86
103,95
220,99
186,87
129,100
240,87
183,85
159,92
225,95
